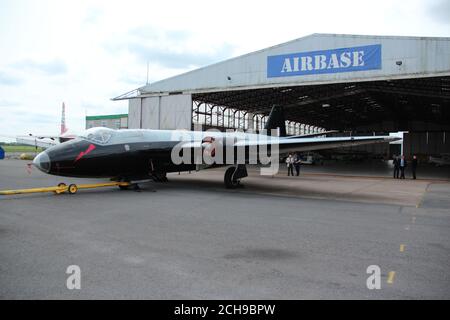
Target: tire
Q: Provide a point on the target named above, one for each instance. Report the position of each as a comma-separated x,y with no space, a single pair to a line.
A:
228,179
72,188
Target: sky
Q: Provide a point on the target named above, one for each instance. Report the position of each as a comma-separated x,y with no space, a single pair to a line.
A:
85,53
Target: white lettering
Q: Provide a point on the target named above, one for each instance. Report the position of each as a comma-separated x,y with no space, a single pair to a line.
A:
296,64
358,58
286,66
306,63
187,310
320,62
333,63
374,280
74,280
346,60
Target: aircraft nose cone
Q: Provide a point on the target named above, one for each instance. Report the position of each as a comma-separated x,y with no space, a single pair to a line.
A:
42,162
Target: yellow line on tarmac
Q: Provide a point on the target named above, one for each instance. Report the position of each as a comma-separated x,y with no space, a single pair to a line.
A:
391,276
423,196
402,248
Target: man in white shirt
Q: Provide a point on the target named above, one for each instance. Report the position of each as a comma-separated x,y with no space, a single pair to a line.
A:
290,164
402,167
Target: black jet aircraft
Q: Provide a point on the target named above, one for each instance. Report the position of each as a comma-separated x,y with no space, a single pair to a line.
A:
139,154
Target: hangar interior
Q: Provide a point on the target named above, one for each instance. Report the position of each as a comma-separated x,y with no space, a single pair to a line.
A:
381,84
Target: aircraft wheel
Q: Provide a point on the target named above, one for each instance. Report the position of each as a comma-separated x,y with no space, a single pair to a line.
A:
135,187
124,187
228,179
72,189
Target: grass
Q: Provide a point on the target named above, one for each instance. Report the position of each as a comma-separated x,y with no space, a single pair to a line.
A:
26,149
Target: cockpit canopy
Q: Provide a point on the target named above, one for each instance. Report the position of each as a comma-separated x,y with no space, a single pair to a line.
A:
99,135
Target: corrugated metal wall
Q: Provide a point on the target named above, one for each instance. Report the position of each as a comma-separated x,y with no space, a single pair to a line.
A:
426,143
165,112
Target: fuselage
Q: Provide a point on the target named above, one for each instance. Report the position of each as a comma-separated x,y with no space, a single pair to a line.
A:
102,152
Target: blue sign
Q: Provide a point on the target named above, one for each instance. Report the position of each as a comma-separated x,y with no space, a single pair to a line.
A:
325,61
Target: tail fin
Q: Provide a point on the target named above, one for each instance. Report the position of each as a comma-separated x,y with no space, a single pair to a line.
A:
276,120
63,119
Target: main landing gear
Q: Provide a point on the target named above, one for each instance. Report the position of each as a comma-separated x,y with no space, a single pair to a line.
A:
233,176
159,177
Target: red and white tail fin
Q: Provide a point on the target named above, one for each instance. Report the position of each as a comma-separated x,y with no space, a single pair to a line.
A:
63,119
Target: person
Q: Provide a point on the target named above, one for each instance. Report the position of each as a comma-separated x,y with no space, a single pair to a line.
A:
297,163
414,166
396,162
290,164
402,167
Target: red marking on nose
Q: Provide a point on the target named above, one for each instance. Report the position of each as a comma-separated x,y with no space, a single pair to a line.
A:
83,153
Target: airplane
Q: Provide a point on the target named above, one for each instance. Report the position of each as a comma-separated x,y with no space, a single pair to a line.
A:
133,155
442,160
44,141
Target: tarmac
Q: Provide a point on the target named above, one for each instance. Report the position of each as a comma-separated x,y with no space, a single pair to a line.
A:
306,237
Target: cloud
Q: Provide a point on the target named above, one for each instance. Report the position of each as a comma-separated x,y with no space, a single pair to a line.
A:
8,103
42,119
9,80
177,60
92,15
440,10
131,80
149,33
169,49
53,67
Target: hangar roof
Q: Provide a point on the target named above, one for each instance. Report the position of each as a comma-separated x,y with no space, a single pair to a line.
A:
419,56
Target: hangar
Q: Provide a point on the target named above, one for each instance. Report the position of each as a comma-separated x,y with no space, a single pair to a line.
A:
355,83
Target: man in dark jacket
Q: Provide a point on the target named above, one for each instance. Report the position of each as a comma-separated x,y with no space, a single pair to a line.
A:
414,166
396,163
403,165
297,163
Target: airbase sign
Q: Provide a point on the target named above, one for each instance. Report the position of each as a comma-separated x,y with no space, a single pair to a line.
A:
325,61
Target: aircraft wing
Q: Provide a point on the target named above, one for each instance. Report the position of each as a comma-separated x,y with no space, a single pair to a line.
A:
35,141
311,144
304,144
310,135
